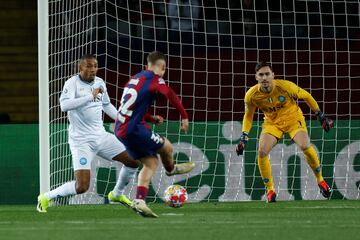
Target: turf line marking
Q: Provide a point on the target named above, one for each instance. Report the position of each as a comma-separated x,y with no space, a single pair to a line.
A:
172,214
324,207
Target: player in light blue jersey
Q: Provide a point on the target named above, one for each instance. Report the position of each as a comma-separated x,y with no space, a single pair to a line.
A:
84,98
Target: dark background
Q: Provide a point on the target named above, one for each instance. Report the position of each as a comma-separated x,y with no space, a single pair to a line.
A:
315,44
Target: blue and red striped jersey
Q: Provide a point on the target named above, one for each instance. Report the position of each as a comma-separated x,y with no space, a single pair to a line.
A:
138,95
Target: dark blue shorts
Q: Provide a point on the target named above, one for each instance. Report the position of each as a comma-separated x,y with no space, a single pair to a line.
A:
142,142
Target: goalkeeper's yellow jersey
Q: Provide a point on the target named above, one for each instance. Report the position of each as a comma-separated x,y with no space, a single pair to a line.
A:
279,106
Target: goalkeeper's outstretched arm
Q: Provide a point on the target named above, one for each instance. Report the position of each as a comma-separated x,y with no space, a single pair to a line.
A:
248,117
310,101
246,126
326,123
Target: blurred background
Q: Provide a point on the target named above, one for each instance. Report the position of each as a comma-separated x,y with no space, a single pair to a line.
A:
253,28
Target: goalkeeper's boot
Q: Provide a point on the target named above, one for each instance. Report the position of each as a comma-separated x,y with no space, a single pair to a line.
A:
121,199
271,196
43,203
139,206
182,168
325,190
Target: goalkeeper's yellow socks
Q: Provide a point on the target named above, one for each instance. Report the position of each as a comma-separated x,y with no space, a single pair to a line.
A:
265,171
313,161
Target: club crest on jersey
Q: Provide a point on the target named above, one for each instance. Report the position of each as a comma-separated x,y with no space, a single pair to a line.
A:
281,99
83,161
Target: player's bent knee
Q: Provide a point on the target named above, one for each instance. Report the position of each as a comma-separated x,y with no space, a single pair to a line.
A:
150,163
262,153
304,146
82,187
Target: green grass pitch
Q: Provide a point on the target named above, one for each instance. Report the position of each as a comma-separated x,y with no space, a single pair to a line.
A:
316,220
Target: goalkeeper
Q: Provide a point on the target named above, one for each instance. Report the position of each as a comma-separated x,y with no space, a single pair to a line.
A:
278,100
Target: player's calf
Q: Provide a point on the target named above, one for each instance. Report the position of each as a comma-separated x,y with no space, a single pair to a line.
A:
82,180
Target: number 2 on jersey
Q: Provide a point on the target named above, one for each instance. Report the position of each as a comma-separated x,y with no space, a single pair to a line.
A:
127,100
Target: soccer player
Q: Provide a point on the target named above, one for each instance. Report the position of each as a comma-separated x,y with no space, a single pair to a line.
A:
142,143
278,100
84,97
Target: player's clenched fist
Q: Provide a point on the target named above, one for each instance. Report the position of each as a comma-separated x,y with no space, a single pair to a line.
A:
185,125
157,119
243,141
326,123
96,91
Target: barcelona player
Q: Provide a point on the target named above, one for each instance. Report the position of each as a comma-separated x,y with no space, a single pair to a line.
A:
142,143
278,100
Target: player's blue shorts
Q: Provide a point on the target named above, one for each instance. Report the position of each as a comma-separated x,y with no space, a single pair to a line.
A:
142,142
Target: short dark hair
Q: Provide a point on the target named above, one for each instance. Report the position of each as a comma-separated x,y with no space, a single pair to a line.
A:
261,65
154,56
86,57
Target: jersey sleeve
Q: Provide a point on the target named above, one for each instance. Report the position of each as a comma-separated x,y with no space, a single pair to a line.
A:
297,92
249,112
67,98
108,108
105,95
172,97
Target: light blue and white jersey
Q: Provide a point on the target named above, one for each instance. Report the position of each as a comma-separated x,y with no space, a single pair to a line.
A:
83,110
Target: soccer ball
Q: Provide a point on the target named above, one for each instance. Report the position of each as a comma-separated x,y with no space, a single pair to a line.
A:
175,196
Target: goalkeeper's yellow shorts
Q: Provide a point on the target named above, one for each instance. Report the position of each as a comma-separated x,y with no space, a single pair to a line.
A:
291,127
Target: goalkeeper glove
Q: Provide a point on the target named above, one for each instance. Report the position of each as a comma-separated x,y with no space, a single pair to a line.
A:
243,141
326,123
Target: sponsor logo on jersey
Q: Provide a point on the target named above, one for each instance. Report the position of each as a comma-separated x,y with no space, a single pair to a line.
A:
270,100
281,99
83,161
161,81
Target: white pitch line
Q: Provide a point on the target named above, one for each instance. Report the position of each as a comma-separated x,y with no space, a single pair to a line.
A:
172,214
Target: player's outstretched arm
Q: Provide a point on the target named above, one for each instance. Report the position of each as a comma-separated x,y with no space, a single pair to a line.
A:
326,123
110,110
107,106
246,126
175,101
